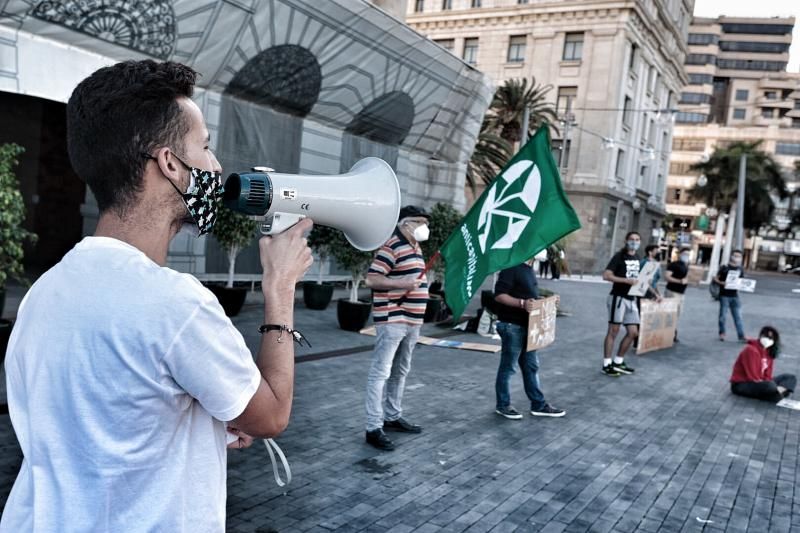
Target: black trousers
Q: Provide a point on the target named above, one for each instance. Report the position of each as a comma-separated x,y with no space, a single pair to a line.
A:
765,390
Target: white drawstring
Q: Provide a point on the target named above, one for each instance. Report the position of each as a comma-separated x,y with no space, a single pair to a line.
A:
270,444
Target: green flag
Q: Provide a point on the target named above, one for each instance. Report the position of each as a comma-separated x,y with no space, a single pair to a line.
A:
524,211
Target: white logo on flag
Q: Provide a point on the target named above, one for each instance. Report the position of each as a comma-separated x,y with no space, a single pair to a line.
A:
495,200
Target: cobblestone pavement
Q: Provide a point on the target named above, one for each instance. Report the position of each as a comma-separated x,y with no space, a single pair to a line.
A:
667,449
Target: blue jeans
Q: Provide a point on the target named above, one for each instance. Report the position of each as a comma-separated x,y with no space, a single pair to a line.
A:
736,310
514,338
386,381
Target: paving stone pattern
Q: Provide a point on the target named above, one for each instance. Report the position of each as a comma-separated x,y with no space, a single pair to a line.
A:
667,449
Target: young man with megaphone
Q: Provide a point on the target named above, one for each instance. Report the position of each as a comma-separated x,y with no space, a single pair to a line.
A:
122,373
400,295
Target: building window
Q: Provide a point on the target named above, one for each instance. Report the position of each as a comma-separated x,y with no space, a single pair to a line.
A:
785,148
754,47
627,112
447,5
695,98
642,172
566,100
701,59
471,50
419,5
742,95
612,222
633,59
751,64
476,3
676,195
620,168
522,2
683,117
516,49
573,47
771,95
688,145
796,122
447,44
703,38
739,113
653,83
767,112
700,79
758,29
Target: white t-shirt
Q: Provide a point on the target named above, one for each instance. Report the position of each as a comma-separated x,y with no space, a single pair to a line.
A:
119,373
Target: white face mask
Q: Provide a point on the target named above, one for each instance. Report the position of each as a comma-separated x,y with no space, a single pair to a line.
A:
766,342
685,258
421,233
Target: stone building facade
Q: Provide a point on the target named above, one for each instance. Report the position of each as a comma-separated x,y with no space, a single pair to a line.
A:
739,90
617,66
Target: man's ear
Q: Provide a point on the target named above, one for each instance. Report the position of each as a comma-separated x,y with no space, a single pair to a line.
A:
168,164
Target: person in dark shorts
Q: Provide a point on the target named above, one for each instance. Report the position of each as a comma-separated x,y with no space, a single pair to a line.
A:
677,276
752,372
622,271
515,291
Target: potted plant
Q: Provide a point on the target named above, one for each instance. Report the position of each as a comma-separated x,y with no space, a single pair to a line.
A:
12,234
444,219
351,312
316,294
233,231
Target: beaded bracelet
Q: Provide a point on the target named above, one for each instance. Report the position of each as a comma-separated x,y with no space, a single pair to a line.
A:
298,337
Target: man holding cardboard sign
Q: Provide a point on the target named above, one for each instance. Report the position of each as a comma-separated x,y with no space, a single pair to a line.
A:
516,293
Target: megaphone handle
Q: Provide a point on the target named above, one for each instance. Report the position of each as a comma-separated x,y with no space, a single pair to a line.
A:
279,222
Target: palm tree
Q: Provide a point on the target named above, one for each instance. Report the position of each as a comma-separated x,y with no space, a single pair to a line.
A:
764,176
491,154
508,108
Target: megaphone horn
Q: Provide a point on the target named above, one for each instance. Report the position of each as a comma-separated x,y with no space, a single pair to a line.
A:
364,203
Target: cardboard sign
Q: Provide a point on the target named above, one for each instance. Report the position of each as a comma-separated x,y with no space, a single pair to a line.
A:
542,323
790,404
644,280
732,280
658,323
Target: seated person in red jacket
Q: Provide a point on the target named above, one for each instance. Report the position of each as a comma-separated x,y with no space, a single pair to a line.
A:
752,372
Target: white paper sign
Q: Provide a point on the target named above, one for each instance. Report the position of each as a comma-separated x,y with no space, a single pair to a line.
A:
791,404
644,280
735,282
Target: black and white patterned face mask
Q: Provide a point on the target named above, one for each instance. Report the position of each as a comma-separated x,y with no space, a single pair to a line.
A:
201,197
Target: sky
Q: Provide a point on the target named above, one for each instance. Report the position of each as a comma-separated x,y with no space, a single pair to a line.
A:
760,8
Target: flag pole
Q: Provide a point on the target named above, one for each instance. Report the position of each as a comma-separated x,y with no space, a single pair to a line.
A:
429,264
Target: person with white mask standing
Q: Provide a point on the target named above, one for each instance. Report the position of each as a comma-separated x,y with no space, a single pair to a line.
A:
400,295
729,298
677,276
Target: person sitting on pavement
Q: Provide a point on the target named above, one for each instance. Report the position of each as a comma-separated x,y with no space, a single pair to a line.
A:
752,372
516,290
677,276
400,295
729,298
622,271
122,373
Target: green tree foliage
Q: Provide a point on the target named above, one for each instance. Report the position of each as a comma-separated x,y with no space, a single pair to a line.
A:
353,260
444,220
764,176
233,231
502,127
321,240
509,103
12,215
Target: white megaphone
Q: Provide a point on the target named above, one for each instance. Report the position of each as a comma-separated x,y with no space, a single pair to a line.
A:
364,203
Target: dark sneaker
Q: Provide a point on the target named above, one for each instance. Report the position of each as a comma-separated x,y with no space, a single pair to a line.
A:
721,337
622,368
402,426
509,412
378,438
609,370
548,410
742,340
